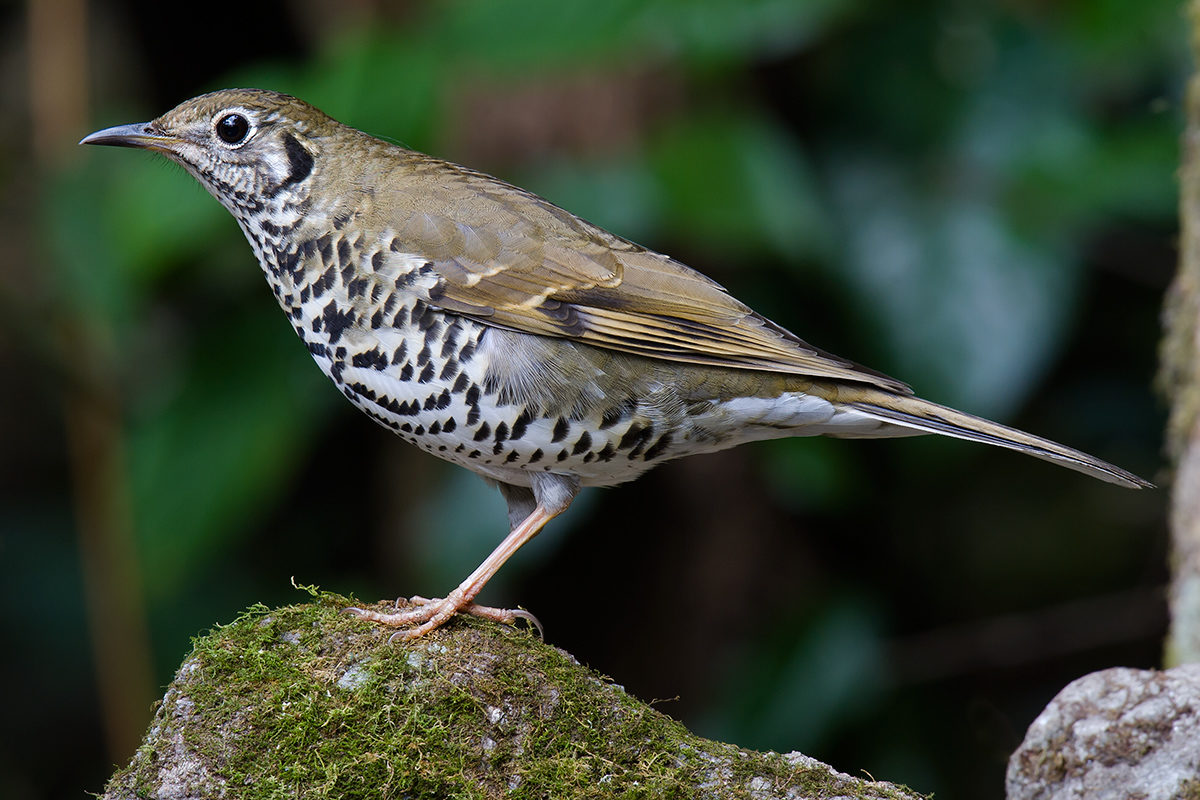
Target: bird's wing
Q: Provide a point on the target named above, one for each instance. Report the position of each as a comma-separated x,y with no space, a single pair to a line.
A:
511,259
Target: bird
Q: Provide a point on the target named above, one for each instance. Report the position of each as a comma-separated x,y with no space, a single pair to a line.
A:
498,331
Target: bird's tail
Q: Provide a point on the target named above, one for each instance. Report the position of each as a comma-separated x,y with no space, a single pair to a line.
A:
924,416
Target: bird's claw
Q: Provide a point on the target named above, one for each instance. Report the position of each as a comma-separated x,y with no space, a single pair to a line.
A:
428,614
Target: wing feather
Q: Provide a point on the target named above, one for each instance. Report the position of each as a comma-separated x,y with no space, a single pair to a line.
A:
514,260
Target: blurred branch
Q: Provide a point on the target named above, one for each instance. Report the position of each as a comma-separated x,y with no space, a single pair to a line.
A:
58,109
57,76
1014,640
112,583
1180,378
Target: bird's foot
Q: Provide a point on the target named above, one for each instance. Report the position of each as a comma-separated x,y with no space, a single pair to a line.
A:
428,614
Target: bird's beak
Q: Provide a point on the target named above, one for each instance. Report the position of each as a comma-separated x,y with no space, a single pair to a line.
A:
142,135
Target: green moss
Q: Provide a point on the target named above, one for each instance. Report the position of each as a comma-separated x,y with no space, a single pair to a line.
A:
305,701
1188,790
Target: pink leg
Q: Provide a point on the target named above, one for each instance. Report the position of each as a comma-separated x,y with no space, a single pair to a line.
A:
431,614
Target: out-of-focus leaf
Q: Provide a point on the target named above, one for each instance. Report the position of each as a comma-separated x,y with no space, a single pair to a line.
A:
118,225
749,30
545,32
151,212
964,310
159,215
969,295
1120,43
372,79
557,32
406,104
1031,148
738,182
87,277
1057,190
621,196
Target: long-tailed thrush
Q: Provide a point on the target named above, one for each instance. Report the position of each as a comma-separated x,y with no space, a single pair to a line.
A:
495,330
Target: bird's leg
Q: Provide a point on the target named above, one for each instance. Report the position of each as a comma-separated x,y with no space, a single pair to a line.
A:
429,614
550,496
521,503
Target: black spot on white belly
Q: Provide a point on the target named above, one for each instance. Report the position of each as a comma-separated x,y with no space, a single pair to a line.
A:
334,322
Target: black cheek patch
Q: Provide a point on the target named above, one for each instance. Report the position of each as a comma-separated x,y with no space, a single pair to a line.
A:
300,161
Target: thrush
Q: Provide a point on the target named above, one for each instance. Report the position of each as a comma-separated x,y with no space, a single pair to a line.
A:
495,330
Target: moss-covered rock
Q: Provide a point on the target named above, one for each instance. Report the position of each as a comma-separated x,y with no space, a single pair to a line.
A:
305,702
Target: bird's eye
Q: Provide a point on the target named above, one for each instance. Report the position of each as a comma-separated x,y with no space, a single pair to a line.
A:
233,128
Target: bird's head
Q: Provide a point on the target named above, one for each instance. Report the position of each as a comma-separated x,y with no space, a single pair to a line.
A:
244,145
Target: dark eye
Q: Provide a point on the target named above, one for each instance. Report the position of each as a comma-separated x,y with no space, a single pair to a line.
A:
232,128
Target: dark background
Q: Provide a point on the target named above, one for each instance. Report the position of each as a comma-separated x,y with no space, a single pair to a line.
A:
976,197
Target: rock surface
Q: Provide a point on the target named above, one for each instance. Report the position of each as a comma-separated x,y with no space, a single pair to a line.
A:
1114,735
304,702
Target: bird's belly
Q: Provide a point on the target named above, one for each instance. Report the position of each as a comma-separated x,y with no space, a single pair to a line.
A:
427,382
505,405
458,419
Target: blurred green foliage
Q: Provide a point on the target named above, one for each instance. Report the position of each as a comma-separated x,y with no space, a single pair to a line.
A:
929,188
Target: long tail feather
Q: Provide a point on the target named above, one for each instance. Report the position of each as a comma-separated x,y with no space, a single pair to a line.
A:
922,415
